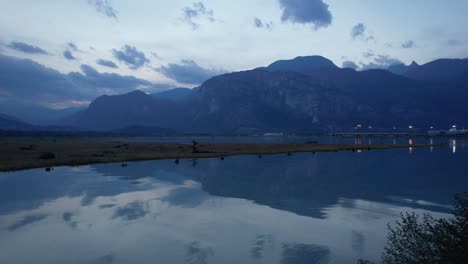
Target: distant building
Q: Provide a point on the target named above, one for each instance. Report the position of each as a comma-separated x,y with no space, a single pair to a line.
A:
451,132
273,134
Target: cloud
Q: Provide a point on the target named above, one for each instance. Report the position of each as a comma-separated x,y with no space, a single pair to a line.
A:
47,87
131,56
115,82
313,12
258,23
104,7
188,72
380,62
26,48
358,30
368,54
192,14
68,55
72,46
408,44
350,65
107,63
454,42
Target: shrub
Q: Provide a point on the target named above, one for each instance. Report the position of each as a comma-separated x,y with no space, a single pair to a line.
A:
430,240
47,156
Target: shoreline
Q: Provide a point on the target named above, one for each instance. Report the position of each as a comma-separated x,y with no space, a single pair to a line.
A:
31,154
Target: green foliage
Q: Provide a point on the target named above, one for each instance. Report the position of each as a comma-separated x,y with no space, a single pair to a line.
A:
421,240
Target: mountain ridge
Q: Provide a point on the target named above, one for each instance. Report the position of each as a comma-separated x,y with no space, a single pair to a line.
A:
307,93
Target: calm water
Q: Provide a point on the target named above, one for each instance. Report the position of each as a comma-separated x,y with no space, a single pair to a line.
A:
305,208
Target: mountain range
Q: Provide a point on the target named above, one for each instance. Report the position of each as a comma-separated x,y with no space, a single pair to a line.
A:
305,94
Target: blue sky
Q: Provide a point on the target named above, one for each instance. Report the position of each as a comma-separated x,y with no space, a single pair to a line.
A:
181,43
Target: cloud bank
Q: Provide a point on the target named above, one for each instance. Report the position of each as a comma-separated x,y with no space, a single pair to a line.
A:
46,86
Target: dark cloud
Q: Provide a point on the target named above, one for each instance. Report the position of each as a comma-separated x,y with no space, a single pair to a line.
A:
104,7
189,72
358,30
350,65
68,218
107,63
192,14
26,48
258,23
131,56
380,62
68,55
46,86
42,85
408,44
72,46
117,83
313,12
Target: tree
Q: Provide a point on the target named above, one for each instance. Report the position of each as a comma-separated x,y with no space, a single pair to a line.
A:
421,240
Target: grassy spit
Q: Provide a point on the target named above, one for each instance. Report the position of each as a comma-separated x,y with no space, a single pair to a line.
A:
19,155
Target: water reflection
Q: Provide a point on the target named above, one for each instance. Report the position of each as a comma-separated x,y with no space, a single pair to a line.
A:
131,211
27,220
106,259
304,208
197,254
304,254
261,242
453,145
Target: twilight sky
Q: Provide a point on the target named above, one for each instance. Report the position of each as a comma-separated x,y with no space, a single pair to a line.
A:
79,49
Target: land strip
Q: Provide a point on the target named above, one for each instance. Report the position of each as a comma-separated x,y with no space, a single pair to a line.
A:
20,155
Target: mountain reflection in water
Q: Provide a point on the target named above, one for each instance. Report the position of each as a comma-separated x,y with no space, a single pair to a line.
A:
304,208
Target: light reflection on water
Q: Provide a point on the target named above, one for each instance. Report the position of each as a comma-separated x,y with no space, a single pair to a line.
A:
304,208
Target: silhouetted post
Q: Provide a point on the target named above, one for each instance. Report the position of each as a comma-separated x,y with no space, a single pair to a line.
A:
194,146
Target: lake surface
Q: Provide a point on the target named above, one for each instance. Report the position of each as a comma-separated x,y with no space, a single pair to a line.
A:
304,208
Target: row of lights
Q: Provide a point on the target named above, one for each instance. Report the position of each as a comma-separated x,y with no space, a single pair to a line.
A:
410,127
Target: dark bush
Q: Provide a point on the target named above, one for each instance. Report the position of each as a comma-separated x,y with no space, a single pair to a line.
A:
430,240
47,156
30,147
